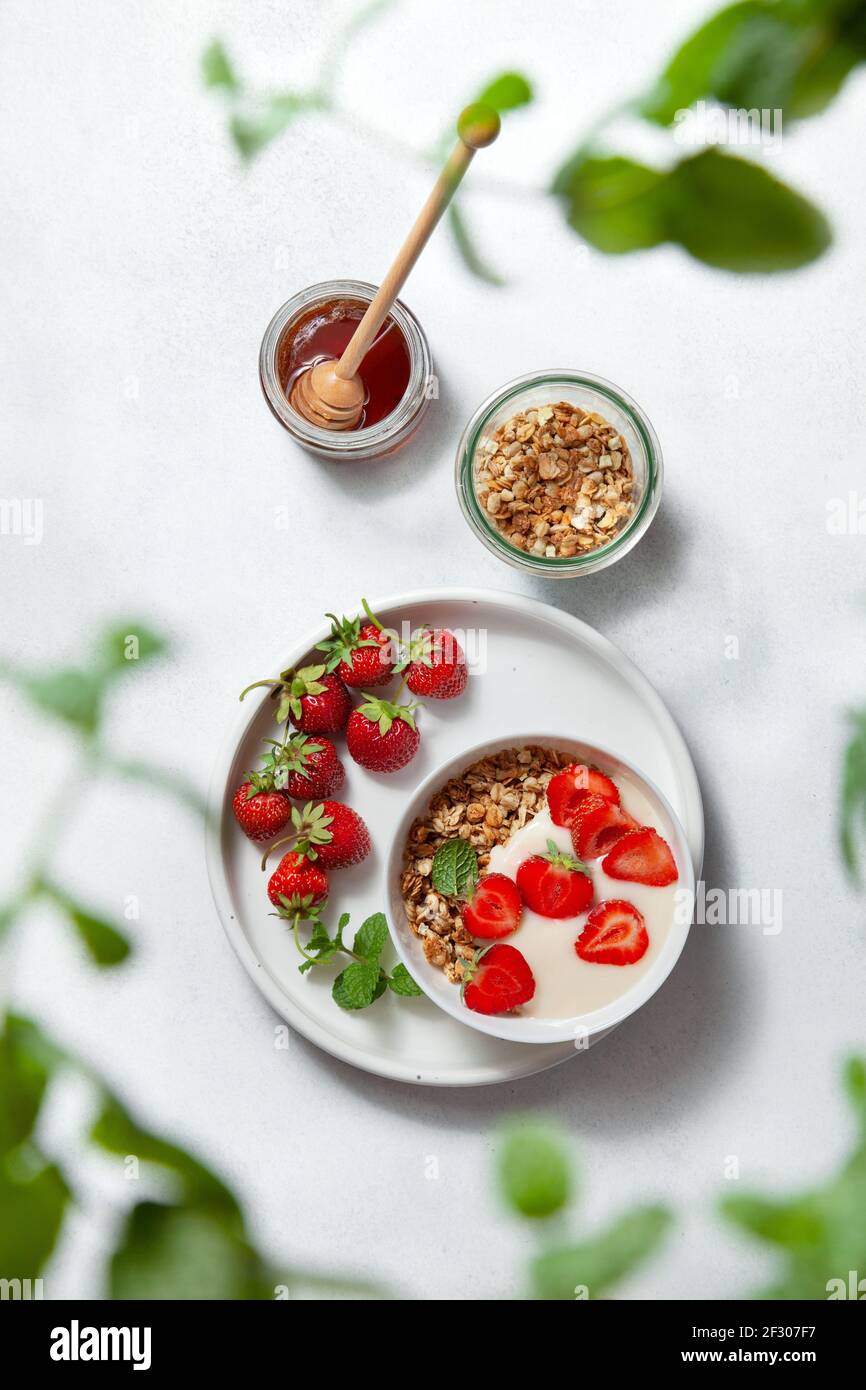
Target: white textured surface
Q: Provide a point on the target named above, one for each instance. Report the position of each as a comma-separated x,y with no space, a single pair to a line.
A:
134,247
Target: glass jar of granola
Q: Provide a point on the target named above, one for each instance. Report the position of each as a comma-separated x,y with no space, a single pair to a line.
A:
559,472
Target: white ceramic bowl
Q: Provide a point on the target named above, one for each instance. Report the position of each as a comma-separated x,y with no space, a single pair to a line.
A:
583,1028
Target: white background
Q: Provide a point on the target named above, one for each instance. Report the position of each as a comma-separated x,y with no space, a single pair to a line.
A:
135,247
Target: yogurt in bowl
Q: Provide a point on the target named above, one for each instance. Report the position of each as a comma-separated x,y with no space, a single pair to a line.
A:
574,992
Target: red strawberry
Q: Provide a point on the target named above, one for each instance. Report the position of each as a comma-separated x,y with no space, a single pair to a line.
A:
435,664
642,857
260,814
361,653
568,788
305,768
315,700
332,833
497,979
615,934
495,908
555,884
382,737
296,877
597,825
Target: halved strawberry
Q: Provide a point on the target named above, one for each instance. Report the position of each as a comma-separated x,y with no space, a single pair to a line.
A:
615,934
555,884
597,826
568,788
494,909
642,857
497,979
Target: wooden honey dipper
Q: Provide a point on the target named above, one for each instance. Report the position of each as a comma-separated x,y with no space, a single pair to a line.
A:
331,394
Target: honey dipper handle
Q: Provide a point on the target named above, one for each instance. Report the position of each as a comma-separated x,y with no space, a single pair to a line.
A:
478,126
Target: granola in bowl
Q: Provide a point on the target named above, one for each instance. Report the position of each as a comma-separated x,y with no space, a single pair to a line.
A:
483,805
556,480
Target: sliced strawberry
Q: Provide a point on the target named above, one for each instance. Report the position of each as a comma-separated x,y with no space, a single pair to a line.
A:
495,908
597,826
642,857
568,788
555,884
615,934
498,979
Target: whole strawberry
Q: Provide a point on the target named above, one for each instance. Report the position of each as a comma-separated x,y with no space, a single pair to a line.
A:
303,767
360,652
314,700
298,880
332,833
260,814
435,664
382,737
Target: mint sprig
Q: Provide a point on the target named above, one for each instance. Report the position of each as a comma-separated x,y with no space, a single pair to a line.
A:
455,869
364,980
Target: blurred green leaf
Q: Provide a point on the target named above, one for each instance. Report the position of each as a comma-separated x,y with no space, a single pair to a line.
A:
24,1074
182,1253
74,696
764,54
614,203
853,817
723,210
789,1224
533,1170
506,92
468,251
107,946
819,1235
124,645
161,778
105,943
32,1207
116,1131
253,130
599,1263
216,69
854,1077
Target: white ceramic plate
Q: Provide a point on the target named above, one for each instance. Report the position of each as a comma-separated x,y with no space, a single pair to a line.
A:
526,656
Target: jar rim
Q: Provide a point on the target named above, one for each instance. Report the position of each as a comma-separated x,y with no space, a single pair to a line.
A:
559,566
346,442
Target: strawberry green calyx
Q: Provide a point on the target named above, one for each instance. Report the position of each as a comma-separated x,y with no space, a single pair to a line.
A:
383,713
470,966
288,689
563,860
297,908
345,638
419,648
309,828
292,755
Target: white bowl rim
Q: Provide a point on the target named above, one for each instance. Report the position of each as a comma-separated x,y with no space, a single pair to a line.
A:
583,1028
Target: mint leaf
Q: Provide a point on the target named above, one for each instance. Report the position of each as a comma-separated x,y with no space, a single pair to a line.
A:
600,1262
358,985
455,868
401,982
75,696
371,937
534,1172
